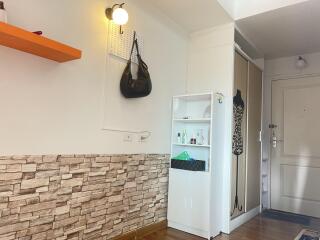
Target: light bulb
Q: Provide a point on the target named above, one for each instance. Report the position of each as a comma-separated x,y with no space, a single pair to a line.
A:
301,63
120,16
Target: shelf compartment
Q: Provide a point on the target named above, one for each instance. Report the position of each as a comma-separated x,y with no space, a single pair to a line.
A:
191,145
22,40
194,106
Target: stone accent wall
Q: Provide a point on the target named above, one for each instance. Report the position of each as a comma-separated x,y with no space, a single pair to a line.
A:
81,196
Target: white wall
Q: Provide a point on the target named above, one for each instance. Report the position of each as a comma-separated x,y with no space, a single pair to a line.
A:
211,67
211,59
277,69
50,108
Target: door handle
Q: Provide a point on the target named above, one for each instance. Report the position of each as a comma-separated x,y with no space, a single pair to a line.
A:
260,137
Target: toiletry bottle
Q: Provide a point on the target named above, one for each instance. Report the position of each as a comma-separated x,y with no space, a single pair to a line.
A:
3,13
179,138
193,139
200,137
184,137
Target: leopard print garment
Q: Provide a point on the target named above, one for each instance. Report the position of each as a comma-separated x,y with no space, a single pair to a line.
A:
237,144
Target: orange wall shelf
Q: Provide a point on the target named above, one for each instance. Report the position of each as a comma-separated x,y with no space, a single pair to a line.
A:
20,39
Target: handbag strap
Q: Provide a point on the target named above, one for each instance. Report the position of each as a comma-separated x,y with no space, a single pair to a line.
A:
133,44
137,46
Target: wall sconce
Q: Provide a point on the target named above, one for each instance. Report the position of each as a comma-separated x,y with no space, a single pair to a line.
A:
301,63
118,15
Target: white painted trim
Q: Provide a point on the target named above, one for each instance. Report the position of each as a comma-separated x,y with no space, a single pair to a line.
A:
242,219
243,54
261,141
287,77
227,168
247,137
188,229
248,40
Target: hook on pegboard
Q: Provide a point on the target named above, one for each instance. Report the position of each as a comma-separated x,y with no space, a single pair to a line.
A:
120,45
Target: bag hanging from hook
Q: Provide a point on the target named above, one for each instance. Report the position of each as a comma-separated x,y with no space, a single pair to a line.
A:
140,87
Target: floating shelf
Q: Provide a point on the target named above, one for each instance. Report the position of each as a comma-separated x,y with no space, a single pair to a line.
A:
22,40
192,145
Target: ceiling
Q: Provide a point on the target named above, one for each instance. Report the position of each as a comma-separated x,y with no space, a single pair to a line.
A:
193,15
246,8
287,31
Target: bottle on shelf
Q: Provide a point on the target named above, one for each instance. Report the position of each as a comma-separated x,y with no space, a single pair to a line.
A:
200,137
184,137
179,138
3,13
193,140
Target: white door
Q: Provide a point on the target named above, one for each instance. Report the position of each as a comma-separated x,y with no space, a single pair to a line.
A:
295,159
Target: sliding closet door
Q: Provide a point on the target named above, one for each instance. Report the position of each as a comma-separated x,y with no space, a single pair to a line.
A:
240,84
253,140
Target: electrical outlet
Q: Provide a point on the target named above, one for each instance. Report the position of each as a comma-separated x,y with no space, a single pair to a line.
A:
128,138
143,138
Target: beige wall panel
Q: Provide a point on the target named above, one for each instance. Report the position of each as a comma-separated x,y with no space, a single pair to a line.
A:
253,143
240,82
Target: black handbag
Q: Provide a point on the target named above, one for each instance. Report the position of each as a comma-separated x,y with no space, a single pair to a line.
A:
140,87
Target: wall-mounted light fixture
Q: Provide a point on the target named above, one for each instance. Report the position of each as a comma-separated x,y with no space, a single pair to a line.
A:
301,63
118,15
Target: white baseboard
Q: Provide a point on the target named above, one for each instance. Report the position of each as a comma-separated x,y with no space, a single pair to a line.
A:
242,219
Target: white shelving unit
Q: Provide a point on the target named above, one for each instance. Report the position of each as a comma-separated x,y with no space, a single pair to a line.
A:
190,206
192,114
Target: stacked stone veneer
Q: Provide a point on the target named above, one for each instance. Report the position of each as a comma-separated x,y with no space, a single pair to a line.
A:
81,196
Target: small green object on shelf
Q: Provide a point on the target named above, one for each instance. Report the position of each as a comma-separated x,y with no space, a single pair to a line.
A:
184,156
